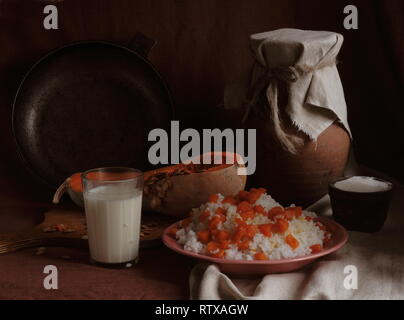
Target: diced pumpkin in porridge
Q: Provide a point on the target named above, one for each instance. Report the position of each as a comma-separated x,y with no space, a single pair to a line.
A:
220,235
230,200
316,248
213,198
251,226
276,211
173,231
244,206
292,241
280,226
266,229
259,209
260,256
203,236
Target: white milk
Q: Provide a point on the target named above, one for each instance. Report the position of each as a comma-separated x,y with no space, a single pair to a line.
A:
362,184
113,223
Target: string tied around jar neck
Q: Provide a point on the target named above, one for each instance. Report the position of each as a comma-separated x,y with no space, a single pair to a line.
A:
269,81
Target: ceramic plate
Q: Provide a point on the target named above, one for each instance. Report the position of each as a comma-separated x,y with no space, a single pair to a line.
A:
244,267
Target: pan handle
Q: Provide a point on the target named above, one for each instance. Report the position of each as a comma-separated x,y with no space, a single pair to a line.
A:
142,44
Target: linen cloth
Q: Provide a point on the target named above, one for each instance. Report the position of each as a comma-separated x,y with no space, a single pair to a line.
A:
315,95
378,257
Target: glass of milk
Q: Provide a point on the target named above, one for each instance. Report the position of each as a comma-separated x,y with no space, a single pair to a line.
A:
113,204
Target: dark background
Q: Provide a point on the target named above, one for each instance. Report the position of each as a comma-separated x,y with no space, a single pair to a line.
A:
202,45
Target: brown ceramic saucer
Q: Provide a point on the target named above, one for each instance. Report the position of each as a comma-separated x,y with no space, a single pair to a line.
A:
360,211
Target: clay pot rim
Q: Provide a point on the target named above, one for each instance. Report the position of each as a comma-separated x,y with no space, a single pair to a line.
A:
332,186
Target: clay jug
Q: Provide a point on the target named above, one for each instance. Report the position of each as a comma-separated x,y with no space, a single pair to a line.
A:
294,76
300,178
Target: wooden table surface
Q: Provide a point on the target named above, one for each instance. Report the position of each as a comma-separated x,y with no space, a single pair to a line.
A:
160,274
